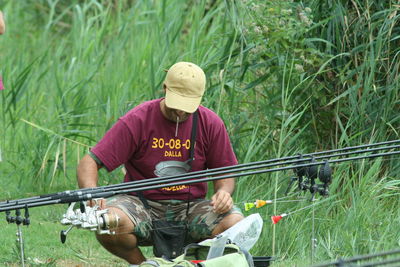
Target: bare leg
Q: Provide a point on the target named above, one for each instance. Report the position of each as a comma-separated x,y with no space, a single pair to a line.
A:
226,223
124,243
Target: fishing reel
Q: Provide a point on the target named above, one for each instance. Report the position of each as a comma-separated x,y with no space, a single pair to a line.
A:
306,177
90,218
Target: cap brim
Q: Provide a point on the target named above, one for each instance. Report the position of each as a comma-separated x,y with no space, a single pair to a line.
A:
187,104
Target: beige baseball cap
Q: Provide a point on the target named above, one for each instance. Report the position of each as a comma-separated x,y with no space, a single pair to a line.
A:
185,84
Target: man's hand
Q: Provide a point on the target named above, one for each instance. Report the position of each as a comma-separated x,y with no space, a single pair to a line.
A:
101,202
222,202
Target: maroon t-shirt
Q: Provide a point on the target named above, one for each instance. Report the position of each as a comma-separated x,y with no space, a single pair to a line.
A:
144,137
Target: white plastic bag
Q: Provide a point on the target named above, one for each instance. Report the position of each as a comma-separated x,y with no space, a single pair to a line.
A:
245,233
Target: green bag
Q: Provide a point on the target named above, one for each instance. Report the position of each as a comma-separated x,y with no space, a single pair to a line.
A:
196,255
160,262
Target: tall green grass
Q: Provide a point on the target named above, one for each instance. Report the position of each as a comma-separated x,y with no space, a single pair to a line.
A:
286,77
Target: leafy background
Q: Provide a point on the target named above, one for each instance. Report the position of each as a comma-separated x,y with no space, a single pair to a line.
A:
287,77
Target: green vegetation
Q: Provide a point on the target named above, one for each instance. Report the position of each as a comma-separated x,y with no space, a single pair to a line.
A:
287,77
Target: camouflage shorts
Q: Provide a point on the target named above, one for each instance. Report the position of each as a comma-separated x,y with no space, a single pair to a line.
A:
201,219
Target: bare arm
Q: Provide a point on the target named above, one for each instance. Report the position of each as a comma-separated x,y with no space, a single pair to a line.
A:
87,172
2,24
222,199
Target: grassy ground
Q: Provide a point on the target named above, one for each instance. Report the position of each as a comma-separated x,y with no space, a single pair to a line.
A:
44,248
287,77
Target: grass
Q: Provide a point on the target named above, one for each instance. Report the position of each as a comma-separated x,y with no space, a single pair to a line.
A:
286,77
43,246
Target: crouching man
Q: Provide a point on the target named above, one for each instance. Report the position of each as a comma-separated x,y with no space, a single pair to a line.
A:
162,137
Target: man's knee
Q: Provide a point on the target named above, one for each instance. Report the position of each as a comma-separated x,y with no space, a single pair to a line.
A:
117,240
227,222
231,219
118,223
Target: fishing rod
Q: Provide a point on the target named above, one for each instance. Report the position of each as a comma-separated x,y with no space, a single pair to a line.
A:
95,219
234,167
348,262
211,172
160,182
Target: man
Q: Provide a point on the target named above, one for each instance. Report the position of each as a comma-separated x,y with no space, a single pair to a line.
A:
157,133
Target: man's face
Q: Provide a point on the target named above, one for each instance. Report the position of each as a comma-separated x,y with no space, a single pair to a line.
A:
176,114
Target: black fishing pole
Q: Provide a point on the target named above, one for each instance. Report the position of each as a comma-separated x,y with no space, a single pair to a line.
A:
348,262
208,172
149,184
197,174
76,219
